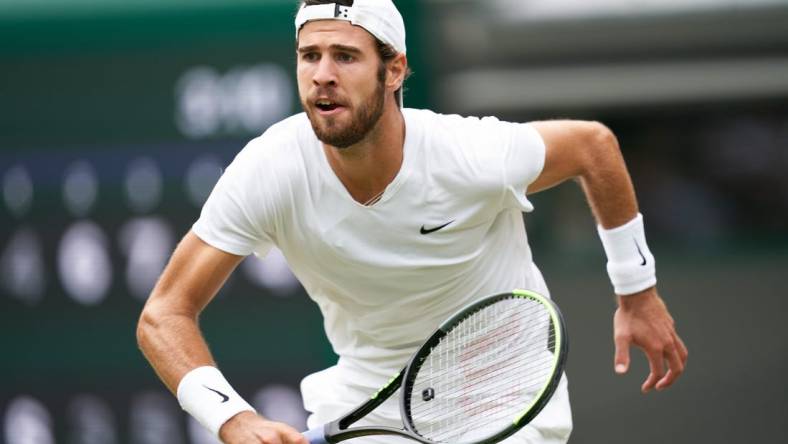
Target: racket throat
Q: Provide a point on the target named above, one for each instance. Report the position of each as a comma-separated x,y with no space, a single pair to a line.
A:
336,434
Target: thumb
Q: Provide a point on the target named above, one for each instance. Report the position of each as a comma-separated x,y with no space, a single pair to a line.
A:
622,355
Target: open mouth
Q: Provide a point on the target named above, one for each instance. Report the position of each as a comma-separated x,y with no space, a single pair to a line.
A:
327,106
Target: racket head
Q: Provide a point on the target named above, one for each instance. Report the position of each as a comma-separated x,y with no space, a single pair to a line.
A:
485,372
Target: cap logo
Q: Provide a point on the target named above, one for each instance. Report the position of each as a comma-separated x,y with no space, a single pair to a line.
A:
340,12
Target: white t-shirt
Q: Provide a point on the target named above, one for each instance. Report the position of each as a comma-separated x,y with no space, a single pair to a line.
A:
385,276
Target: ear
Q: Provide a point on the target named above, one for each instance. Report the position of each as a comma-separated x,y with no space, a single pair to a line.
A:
395,72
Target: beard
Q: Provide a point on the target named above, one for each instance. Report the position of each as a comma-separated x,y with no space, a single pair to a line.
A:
363,119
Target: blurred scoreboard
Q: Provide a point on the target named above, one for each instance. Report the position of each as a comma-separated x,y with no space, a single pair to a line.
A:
114,127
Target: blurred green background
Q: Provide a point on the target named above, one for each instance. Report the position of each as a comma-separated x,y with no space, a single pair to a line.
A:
117,117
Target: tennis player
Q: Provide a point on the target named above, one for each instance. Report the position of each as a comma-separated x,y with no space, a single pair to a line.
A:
392,219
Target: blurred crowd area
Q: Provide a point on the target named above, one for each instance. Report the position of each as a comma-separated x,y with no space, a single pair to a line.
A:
117,118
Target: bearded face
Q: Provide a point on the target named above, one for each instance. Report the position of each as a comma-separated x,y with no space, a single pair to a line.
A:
341,81
339,123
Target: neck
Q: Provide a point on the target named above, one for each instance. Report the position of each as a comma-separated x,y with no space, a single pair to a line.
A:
366,168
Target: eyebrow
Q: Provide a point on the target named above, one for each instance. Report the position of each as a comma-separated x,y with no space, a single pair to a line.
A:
336,47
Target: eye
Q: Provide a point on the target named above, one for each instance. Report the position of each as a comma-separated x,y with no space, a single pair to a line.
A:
345,57
310,56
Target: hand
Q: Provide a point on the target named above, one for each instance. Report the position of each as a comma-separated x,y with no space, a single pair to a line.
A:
251,428
642,319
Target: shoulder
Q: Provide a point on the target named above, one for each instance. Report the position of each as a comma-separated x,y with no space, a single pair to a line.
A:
455,122
482,150
273,156
279,140
282,147
471,132
486,136
260,176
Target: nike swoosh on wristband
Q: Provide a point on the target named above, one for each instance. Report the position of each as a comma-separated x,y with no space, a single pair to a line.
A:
432,230
225,398
640,252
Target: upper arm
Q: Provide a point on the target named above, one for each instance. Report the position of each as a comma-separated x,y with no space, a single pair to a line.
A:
192,278
570,148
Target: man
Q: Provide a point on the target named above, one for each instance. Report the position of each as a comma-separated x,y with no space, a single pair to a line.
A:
392,219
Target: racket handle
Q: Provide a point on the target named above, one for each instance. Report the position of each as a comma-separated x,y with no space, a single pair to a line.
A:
316,435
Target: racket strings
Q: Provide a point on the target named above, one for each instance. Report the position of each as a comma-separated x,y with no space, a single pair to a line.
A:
528,382
472,363
535,373
460,338
458,413
534,323
468,368
482,412
485,372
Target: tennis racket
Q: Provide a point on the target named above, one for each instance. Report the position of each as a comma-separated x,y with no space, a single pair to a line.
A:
483,375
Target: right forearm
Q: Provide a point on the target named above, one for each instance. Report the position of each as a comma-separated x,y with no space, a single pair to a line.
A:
175,348
169,336
172,343
167,332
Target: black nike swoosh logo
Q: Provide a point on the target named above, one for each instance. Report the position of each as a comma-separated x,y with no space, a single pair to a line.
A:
640,252
432,230
225,398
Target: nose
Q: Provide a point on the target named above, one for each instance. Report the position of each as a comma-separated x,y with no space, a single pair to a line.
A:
325,74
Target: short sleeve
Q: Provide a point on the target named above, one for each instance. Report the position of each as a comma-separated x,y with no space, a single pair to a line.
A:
523,161
238,214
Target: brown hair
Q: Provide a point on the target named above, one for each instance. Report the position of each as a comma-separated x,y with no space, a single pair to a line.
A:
386,52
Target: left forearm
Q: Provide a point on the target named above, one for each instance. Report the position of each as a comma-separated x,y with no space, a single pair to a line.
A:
606,182
588,152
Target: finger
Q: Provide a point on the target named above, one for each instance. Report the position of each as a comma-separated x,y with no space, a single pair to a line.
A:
270,436
657,369
675,370
666,380
294,437
683,352
289,435
621,360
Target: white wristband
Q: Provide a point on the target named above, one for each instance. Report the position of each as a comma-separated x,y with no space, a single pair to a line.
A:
630,264
208,397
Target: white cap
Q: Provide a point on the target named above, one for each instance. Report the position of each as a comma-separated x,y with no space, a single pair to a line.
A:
379,17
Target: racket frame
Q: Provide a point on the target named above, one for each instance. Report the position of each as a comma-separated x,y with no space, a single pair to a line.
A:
338,430
561,346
